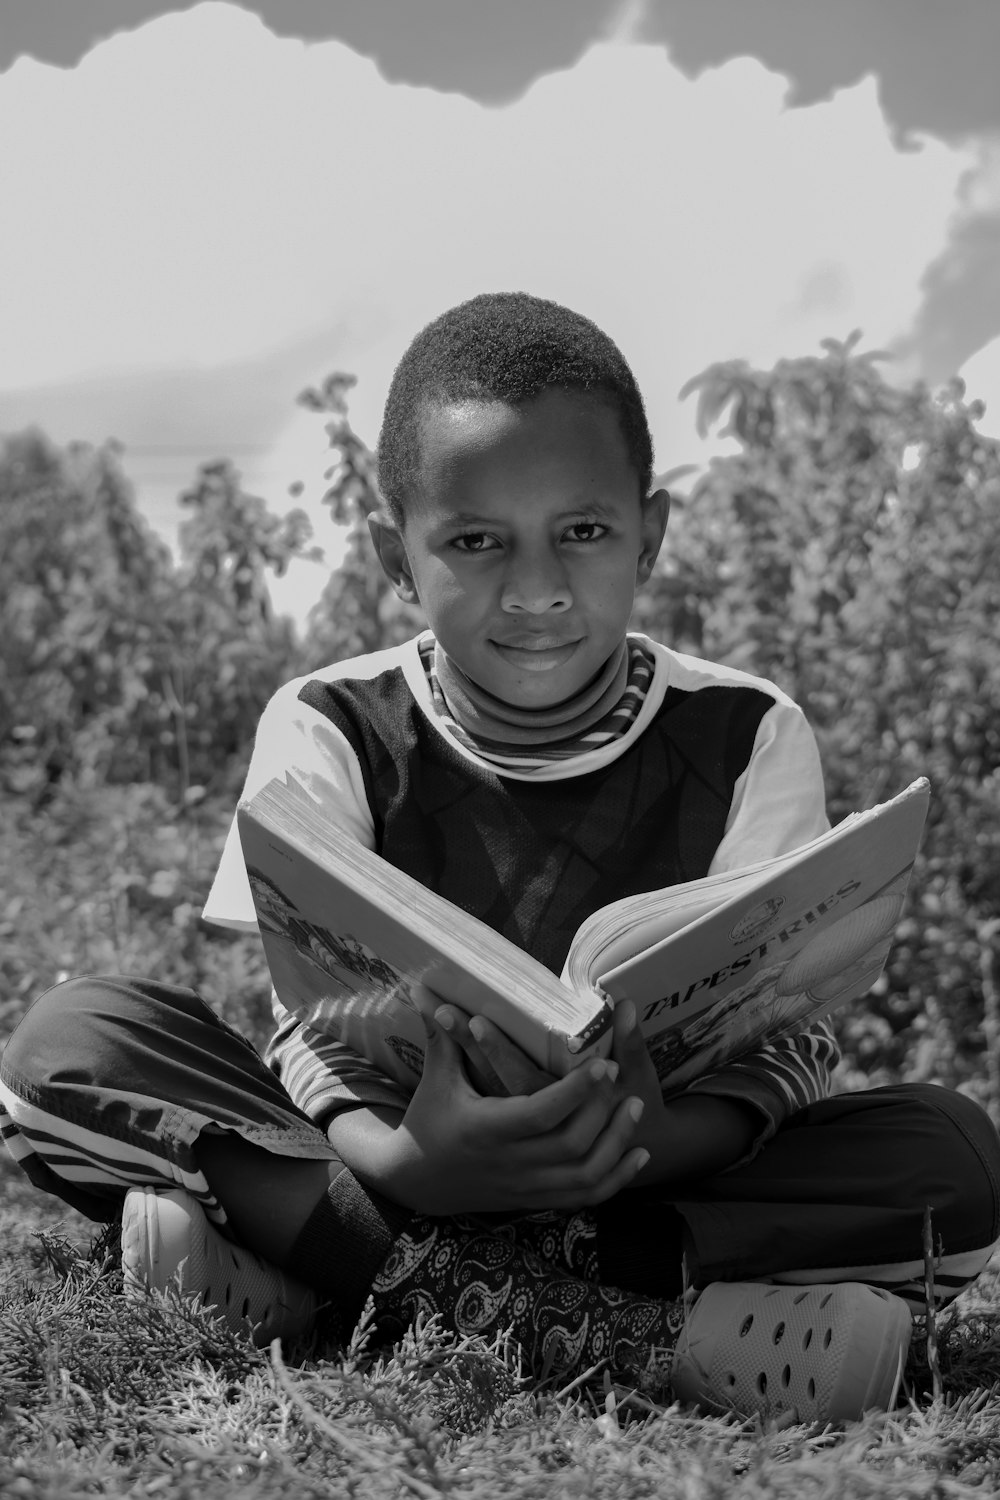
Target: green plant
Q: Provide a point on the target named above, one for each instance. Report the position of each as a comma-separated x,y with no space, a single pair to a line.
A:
120,665
357,611
850,550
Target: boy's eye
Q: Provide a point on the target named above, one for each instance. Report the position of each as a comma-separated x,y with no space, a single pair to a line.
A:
474,541
587,531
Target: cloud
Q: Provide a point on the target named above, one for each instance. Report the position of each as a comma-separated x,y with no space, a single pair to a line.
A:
198,191
961,305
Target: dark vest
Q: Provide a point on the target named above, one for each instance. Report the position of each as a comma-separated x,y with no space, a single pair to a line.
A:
533,859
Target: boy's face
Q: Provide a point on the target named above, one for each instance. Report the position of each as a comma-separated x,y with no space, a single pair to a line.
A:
526,542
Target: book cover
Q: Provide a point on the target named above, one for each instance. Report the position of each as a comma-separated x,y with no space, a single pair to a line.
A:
715,967
354,945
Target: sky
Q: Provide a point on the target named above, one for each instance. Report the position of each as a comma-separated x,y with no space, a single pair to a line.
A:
206,206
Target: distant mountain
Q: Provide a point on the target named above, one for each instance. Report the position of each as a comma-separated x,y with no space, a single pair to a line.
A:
214,409
171,420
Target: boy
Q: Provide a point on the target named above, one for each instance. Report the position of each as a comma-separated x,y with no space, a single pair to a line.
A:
530,760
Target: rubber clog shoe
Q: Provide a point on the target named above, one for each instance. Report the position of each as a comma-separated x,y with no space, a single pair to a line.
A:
822,1353
167,1240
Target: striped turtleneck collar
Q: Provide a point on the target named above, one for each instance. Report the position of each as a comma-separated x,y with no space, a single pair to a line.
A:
529,739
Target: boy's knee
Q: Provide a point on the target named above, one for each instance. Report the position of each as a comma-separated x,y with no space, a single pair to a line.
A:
82,1028
960,1151
52,1035
68,997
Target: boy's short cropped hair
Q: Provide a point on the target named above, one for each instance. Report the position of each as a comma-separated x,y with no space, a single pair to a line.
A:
510,347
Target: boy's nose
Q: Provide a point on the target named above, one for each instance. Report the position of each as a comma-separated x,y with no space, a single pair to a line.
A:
536,590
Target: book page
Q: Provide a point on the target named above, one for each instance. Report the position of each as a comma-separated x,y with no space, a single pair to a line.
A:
840,964
797,937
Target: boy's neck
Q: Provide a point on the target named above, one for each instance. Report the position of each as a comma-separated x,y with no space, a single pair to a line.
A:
485,717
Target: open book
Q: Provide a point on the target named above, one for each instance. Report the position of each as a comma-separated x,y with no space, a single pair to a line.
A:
715,967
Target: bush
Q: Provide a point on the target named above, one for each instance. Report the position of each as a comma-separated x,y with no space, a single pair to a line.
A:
850,551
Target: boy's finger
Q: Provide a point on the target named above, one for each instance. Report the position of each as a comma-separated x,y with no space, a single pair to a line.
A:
547,1108
626,1036
575,1190
456,1023
612,1161
443,1065
614,1141
516,1070
622,1175
579,1133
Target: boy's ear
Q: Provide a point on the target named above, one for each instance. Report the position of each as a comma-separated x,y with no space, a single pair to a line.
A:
387,539
655,513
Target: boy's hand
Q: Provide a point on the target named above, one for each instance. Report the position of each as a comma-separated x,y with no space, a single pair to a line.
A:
495,1064
566,1145
690,1136
637,1078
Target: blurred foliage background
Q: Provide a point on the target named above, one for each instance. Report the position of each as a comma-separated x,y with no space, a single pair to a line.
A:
849,549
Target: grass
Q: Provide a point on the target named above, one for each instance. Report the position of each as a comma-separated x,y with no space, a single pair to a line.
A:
102,1396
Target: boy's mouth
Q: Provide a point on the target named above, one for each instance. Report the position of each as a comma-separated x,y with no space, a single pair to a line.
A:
536,653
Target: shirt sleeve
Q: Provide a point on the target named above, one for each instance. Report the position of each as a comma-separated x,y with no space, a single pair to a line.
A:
297,743
778,804
321,1075
291,741
779,1078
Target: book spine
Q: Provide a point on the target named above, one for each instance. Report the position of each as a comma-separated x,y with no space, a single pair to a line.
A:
595,1031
